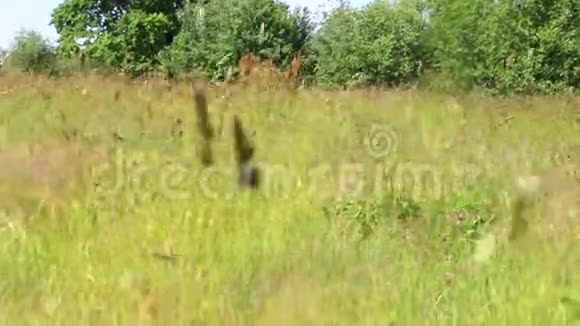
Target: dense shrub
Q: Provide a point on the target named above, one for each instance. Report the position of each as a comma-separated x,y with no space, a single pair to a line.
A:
508,45
31,53
381,43
124,35
215,35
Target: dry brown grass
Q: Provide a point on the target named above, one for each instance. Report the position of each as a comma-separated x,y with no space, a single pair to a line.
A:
558,196
50,171
264,76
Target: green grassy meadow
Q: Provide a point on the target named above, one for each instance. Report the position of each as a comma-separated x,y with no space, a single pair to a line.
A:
341,233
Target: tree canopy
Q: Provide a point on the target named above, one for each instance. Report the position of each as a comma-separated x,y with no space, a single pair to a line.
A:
504,45
121,34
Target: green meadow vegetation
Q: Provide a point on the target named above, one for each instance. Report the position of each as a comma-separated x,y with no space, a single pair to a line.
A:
422,170
376,207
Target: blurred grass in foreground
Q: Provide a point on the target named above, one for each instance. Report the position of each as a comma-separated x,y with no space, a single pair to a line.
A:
146,235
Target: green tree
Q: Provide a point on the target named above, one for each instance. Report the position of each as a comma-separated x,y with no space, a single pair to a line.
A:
381,43
508,45
31,53
121,34
214,35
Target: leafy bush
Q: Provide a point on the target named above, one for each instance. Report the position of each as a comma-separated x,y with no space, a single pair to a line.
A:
31,53
215,35
125,35
379,44
507,45
504,46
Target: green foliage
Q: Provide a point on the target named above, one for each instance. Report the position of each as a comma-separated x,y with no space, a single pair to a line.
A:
361,217
364,216
464,216
468,214
406,209
505,46
119,34
31,53
264,28
379,44
145,241
508,45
